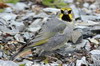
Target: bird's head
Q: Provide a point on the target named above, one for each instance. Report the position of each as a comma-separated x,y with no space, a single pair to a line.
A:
66,14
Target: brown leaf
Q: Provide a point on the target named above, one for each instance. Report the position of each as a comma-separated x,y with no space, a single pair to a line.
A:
38,1
97,11
24,53
3,5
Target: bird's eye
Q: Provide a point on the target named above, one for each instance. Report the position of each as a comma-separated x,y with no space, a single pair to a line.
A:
70,11
62,11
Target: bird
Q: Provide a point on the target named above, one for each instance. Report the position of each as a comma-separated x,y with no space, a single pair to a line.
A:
55,24
54,33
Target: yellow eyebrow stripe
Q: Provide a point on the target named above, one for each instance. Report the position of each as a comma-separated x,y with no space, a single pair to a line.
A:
68,9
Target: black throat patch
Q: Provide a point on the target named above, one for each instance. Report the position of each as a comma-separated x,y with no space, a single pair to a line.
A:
66,18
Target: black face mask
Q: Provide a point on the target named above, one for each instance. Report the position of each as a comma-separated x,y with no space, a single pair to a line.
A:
69,12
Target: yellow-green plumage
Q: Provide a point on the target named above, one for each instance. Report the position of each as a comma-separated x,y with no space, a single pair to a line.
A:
52,35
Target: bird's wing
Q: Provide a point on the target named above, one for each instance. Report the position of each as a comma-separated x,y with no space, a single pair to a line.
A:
41,42
55,42
50,28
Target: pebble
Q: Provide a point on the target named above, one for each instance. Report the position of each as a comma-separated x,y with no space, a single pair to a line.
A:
8,63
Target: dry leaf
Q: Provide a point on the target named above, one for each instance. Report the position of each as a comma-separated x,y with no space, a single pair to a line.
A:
3,5
97,11
24,53
38,1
